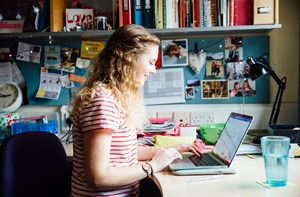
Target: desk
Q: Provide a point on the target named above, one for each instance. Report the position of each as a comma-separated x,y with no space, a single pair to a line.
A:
243,183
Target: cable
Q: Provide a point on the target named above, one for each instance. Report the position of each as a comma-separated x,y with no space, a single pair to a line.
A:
69,132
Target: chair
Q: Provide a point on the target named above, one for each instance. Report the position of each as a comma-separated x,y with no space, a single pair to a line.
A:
34,164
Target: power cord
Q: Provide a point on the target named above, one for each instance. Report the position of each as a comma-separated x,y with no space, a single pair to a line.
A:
69,132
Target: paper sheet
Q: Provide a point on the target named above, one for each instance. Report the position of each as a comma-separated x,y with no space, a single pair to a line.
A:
166,86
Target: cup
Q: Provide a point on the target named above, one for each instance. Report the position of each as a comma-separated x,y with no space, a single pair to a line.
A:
100,22
275,150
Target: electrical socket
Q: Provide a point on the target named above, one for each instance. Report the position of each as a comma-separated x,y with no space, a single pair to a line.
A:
64,115
183,117
198,118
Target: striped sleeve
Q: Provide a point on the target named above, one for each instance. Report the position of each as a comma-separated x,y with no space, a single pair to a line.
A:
101,113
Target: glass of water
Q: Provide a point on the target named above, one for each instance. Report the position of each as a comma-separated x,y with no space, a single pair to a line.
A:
275,150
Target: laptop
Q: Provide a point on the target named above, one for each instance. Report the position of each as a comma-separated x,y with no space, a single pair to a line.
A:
218,160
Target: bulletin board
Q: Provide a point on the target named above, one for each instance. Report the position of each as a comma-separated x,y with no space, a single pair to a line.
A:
252,46
31,73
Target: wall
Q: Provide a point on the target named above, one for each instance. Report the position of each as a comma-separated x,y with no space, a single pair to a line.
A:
284,59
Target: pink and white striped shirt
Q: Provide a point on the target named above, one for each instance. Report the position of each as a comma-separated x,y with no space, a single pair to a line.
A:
103,112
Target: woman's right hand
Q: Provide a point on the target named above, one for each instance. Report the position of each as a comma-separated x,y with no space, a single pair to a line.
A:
163,158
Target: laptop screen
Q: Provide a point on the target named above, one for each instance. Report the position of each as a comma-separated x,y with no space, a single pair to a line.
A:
232,136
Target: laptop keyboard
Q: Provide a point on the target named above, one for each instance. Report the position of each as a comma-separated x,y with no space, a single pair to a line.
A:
205,160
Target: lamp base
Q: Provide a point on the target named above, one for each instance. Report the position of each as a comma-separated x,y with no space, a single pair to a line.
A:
292,131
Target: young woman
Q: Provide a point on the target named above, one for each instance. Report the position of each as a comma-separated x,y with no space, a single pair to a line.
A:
107,112
236,91
247,90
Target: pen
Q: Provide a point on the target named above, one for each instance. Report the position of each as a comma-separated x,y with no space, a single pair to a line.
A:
204,178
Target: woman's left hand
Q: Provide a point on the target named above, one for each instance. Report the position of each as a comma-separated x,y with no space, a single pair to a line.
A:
196,148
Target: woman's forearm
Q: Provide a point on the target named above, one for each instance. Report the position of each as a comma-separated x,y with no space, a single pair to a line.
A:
146,152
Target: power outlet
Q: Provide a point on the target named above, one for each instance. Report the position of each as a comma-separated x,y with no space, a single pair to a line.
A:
64,115
183,117
200,118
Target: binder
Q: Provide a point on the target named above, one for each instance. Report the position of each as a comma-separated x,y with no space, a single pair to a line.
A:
148,10
243,12
137,12
126,12
57,15
263,12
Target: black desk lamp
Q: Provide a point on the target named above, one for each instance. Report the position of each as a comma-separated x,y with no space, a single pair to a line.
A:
258,67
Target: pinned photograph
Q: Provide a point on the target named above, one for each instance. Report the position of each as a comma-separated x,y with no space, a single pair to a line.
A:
215,89
174,52
244,87
214,65
69,56
233,49
189,92
237,70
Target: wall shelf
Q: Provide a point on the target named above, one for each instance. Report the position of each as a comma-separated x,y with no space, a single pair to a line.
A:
103,35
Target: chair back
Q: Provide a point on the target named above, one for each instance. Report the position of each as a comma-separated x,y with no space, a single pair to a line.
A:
34,164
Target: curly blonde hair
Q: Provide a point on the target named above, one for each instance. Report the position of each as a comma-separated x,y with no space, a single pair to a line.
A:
114,68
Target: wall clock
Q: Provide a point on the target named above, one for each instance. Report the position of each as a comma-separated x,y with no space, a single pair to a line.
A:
10,97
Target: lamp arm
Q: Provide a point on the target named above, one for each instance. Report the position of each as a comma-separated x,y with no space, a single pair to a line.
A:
261,62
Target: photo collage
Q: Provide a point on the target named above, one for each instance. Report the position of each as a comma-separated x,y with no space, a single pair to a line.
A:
226,72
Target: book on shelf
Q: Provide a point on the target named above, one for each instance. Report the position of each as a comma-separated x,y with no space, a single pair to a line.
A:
57,15
207,13
126,12
160,14
148,13
155,14
172,16
120,12
243,12
182,13
189,13
137,12
79,18
214,11
196,13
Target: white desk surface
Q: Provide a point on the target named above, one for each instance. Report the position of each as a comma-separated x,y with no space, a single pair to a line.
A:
243,183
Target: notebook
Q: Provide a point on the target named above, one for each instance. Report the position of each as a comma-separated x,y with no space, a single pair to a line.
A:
220,158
